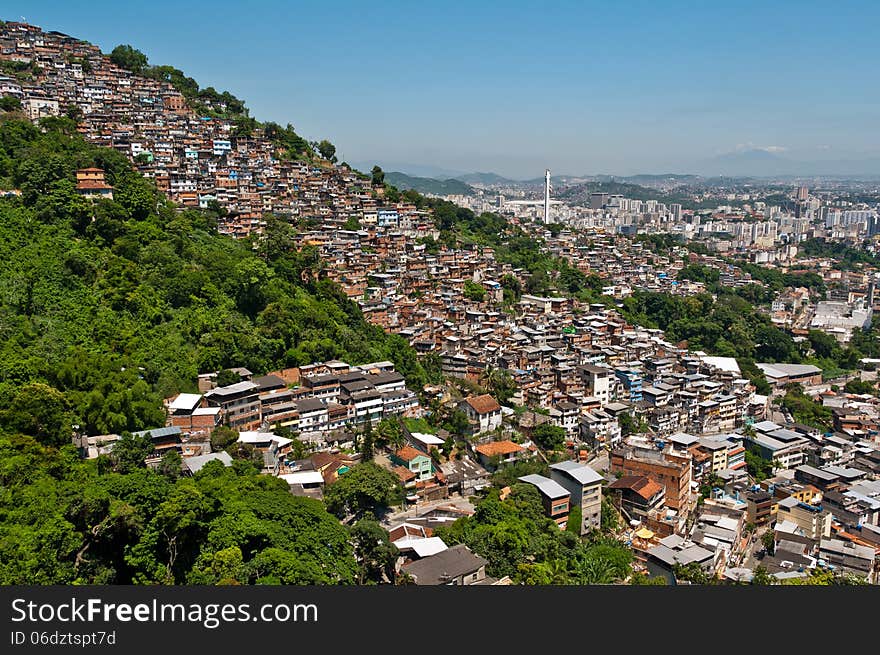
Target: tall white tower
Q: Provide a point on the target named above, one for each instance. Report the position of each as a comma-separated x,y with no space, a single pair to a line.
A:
546,196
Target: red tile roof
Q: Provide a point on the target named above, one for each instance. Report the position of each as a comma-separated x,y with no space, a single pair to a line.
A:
498,448
484,404
408,454
404,473
644,487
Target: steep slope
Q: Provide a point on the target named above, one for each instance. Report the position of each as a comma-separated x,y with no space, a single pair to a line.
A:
113,304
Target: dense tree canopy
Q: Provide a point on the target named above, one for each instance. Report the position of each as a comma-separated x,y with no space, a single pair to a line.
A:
64,521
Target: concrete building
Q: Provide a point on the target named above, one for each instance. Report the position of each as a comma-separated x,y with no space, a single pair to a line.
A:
812,520
554,497
585,487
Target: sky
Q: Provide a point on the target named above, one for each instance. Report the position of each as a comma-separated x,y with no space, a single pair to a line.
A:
516,87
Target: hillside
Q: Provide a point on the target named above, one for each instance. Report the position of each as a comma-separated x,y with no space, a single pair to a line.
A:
429,185
110,306
200,145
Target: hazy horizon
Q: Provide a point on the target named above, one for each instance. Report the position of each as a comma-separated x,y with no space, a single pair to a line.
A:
580,88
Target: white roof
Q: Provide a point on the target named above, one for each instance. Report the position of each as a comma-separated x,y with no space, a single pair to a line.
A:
546,486
727,523
185,401
789,527
195,463
206,411
427,439
580,472
785,370
303,477
254,437
422,546
724,363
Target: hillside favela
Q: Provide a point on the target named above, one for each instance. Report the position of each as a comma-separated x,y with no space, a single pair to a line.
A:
229,356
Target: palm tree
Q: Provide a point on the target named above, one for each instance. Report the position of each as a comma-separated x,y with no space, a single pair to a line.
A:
595,570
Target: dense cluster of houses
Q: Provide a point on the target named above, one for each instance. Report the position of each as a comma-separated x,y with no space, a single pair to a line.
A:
195,159
676,425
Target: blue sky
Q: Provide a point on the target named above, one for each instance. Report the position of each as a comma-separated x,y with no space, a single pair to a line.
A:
579,87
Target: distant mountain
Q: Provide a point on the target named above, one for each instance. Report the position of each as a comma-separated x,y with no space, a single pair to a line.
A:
486,178
417,170
429,185
580,193
760,163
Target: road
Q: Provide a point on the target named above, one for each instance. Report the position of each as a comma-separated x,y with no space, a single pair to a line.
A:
749,560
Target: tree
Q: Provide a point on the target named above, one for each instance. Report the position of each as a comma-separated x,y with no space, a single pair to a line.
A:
609,520
575,518
629,425
10,103
366,487
378,176
40,411
692,572
367,442
457,423
130,452
761,576
548,436
389,433
222,437
768,539
758,467
129,58
474,291
327,150
225,377
170,465
375,553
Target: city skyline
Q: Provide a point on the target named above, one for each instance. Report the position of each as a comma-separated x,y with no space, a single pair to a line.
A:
620,91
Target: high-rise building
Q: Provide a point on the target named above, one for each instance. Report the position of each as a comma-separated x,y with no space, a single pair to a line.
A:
675,210
598,200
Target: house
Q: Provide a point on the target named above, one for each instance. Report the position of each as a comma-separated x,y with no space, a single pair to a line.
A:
585,488
90,183
454,566
637,495
162,438
851,558
673,550
812,520
415,461
779,375
464,475
759,507
497,453
187,412
554,497
240,403
668,467
483,412
414,542
308,483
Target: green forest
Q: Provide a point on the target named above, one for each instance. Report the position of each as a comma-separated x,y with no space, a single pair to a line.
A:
108,306
67,521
